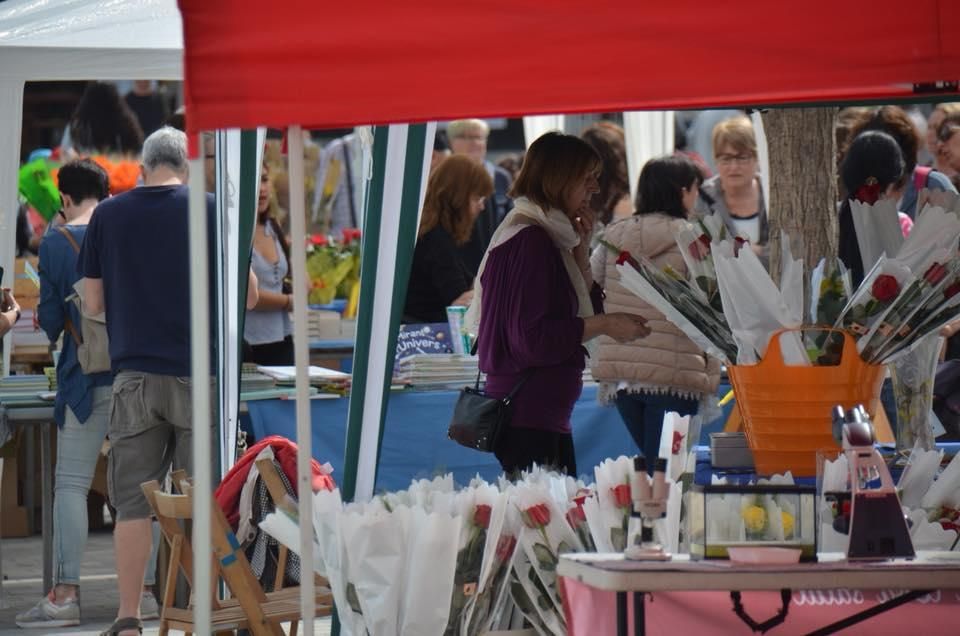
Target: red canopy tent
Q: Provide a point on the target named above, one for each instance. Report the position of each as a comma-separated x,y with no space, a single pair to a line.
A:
368,62
248,64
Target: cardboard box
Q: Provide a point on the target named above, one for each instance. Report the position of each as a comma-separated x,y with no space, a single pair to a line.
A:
24,290
13,516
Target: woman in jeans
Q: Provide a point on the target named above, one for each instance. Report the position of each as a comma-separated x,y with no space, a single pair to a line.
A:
536,304
666,371
82,406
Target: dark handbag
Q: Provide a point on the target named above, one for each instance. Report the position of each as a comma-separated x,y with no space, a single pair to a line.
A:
478,419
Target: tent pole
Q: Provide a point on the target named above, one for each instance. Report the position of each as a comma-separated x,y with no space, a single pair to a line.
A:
298,231
396,195
11,101
200,372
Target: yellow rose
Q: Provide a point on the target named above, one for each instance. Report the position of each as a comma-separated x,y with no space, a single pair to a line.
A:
787,524
754,519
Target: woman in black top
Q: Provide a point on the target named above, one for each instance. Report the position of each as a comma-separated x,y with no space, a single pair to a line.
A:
456,194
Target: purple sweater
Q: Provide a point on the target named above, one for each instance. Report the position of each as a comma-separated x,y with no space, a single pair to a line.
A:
528,320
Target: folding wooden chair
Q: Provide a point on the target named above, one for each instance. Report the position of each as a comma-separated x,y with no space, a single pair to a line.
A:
250,608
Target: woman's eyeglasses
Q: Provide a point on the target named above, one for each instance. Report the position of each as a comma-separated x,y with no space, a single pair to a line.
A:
728,160
946,132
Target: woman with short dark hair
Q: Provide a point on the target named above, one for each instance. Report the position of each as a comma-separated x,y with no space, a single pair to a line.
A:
535,303
666,371
873,169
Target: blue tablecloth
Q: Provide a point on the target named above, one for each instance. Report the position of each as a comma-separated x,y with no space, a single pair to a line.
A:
415,443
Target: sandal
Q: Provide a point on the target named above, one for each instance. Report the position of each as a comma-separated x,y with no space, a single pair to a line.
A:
123,624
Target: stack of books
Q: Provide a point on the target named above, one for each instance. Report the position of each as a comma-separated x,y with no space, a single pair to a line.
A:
14,388
428,371
252,380
27,342
327,380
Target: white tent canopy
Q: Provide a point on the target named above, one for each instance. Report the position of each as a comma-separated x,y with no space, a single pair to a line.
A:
47,40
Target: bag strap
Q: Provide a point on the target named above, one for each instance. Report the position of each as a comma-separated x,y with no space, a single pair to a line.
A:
70,239
509,397
68,324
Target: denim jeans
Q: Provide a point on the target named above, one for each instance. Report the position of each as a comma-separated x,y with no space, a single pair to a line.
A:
643,414
78,447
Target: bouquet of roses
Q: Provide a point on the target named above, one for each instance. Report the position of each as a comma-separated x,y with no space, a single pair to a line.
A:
922,298
670,294
755,309
695,241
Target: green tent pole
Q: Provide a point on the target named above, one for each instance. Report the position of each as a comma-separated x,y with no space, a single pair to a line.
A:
368,277
407,240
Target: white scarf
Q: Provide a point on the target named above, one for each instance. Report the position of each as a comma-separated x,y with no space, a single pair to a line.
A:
524,214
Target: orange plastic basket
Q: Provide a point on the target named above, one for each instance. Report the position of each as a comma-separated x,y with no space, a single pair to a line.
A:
786,410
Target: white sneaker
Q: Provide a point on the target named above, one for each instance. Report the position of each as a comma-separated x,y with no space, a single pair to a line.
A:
149,608
47,614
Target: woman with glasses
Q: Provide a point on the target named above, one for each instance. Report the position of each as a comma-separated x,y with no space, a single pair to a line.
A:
456,194
735,193
934,121
948,138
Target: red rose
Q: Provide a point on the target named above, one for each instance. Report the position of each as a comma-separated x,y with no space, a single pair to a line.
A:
481,517
537,516
677,441
738,243
700,248
505,547
952,290
581,496
935,274
621,496
576,516
885,288
868,192
318,239
624,257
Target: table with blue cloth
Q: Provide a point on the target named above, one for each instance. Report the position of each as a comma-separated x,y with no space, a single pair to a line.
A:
415,443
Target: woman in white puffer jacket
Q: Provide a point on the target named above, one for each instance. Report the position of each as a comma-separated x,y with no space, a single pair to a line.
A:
665,371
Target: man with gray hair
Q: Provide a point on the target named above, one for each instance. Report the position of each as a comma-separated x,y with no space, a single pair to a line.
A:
469,137
137,268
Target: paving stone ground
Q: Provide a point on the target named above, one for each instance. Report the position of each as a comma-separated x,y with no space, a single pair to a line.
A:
22,587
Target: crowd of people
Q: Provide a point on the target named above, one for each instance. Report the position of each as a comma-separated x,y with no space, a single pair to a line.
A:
546,296
514,242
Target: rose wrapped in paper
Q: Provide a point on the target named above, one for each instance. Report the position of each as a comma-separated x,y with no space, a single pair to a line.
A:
923,297
469,563
875,295
544,537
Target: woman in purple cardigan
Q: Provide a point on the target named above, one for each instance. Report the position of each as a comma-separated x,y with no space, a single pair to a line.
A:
535,303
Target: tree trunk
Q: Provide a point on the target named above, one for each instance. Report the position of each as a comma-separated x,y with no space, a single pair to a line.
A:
803,183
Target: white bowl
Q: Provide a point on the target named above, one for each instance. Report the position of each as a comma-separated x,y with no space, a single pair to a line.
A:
764,555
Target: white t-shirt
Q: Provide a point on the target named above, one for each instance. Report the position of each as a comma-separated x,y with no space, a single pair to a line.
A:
747,227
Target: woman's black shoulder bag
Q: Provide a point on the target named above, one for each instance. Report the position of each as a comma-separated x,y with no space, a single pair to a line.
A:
478,418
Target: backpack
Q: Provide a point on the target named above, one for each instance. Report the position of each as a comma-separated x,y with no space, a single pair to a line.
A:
93,348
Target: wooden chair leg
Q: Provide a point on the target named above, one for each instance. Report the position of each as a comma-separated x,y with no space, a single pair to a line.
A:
281,568
293,628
